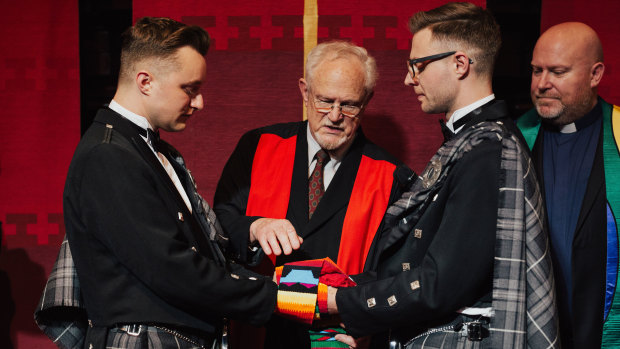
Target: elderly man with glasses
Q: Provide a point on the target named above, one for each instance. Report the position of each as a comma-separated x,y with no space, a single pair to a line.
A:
313,189
465,263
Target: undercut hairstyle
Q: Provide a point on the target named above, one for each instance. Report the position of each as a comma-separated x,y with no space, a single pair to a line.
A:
333,50
466,27
159,38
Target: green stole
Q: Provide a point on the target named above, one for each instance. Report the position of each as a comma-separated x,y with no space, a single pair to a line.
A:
529,124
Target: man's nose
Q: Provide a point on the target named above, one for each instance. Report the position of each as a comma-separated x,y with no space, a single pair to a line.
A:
409,81
543,82
197,102
335,113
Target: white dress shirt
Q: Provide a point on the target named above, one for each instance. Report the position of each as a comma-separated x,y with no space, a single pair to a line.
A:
329,170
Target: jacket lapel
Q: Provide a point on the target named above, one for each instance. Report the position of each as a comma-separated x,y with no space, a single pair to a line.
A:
298,201
124,127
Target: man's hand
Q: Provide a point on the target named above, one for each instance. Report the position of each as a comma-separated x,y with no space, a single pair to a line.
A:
360,343
332,307
275,235
355,343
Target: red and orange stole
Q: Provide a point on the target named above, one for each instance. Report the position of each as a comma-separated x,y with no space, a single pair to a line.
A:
302,296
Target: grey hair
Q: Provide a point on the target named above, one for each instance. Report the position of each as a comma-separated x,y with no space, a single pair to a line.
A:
333,50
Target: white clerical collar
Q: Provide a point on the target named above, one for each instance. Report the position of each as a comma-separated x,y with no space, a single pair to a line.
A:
569,128
459,113
139,120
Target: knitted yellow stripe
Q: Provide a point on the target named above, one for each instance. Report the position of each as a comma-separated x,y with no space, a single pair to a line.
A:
297,304
311,25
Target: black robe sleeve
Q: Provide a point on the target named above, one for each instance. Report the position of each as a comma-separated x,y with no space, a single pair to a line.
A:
231,195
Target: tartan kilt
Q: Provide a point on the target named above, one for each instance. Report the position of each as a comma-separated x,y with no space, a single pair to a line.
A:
156,338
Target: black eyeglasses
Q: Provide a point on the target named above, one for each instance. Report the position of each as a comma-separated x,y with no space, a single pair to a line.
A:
415,70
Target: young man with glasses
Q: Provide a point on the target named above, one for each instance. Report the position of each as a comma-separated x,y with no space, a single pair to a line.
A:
316,188
456,268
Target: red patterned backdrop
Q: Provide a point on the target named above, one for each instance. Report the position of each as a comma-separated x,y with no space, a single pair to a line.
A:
257,58
252,75
39,108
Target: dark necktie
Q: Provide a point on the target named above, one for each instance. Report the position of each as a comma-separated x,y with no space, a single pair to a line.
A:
447,133
153,139
315,185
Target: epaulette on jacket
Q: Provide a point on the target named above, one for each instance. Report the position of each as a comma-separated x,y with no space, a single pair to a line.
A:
107,135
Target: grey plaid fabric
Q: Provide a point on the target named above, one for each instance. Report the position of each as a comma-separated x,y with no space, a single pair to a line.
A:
525,314
155,338
447,340
61,314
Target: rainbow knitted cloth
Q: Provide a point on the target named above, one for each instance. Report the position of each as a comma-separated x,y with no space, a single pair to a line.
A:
302,296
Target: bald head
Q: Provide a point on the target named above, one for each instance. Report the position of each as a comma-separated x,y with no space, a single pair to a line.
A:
575,38
567,66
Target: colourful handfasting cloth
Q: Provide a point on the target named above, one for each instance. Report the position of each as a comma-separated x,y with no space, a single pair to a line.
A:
302,296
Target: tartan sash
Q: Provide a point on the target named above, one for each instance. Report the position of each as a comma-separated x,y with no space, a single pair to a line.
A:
523,301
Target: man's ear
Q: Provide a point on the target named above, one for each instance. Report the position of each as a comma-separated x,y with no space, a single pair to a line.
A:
144,82
463,64
596,74
303,88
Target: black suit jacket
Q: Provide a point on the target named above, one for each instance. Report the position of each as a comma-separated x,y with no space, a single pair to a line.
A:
140,255
449,252
589,252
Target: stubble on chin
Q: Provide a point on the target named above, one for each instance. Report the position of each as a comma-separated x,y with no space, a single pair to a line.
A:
562,114
429,109
550,114
434,109
330,144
